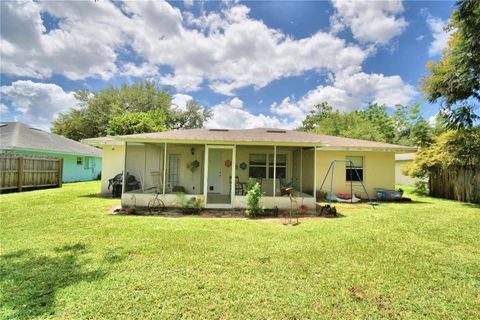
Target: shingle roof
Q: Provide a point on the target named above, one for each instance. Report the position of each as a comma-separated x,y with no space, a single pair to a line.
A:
261,135
17,135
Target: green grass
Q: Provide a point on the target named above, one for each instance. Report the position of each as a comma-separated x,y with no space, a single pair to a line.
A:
62,256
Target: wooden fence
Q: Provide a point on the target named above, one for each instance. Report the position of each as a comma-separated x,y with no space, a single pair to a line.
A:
458,183
20,172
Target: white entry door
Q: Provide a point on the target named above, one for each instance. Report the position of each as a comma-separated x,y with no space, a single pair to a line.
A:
215,158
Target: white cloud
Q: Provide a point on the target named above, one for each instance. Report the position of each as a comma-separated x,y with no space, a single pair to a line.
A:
3,108
37,103
348,92
83,45
180,101
440,36
369,21
227,50
231,114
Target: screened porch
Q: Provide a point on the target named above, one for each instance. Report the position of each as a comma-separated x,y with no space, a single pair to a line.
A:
217,173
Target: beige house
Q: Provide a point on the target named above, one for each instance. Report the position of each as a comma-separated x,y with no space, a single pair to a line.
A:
202,162
401,161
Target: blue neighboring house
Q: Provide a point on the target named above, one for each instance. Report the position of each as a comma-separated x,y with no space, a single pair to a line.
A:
80,162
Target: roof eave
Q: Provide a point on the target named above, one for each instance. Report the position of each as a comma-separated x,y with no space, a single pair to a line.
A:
229,142
378,149
54,151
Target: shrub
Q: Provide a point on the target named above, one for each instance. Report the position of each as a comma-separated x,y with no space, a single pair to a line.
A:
188,205
254,194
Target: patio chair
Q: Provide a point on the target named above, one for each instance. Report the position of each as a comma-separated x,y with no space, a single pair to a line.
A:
239,191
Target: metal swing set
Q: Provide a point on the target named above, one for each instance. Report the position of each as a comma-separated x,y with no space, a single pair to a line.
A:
352,166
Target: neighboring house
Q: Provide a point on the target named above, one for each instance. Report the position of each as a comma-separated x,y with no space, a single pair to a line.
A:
80,162
401,161
201,162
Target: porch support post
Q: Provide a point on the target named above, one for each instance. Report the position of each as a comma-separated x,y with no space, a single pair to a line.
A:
301,169
205,176
124,177
164,167
144,166
274,168
315,174
234,173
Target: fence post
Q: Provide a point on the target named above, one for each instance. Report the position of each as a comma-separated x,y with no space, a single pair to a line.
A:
20,173
60,172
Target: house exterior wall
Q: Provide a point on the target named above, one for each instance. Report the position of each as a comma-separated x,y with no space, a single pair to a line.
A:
71,171
400,178
378,171
112,164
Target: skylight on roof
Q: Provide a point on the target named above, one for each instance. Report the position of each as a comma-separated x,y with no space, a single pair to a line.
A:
218,130
276,131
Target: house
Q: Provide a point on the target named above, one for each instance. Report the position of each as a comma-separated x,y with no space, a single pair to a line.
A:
80,162
401,161
202,162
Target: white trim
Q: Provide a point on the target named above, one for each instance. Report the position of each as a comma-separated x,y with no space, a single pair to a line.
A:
232,172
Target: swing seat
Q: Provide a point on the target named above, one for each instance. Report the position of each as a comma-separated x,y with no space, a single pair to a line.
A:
353,199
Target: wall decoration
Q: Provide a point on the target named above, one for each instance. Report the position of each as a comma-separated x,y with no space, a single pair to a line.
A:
228,163
193,165
243,166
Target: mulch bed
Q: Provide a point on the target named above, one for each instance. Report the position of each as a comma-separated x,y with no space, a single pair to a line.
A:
209,213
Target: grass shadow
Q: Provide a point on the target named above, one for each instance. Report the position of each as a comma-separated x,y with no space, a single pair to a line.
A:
29,282
97,196
471,205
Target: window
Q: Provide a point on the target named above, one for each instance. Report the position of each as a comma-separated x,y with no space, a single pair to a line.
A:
174,169
354,169
258,166
281,166
79,161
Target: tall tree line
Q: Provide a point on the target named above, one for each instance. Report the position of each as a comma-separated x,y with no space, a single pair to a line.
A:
138,108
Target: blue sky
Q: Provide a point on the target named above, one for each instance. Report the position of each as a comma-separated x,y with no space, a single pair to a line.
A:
257,63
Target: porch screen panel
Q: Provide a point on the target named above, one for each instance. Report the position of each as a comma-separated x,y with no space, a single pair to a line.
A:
281,172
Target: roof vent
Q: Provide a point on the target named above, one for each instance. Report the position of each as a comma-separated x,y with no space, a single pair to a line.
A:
276,131
218,130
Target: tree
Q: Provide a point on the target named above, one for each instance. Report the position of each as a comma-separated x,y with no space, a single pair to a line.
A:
193,117
367,124
377,115
455,79
137,108
411,128
451,148
137,122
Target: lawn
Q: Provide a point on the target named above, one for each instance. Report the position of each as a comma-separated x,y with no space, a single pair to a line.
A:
62,256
